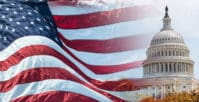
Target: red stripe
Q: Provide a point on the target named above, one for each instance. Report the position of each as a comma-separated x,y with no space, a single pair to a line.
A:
45,50
104,17
106,69
46,73
55,96
39,74
135,42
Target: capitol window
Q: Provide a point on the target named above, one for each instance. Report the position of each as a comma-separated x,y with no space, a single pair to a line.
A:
169,53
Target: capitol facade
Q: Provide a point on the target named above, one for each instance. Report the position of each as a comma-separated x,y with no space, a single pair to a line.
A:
168,67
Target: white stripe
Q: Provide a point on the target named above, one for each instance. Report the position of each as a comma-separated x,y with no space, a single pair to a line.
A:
111,5
25,41
34,62
50,62
150,26
35,40
50,85
111,58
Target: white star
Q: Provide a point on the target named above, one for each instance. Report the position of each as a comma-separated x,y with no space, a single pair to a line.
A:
26,27
35,11
15,12
23,17
13,30
6,28
32,22
4,38
3,16
21,8
47,28
38,19
7,9
10,19
40,28
29,13
18,23
12,4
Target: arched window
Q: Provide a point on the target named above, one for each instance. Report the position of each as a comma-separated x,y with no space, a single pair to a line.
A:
173,53
162,53
169,53
165,53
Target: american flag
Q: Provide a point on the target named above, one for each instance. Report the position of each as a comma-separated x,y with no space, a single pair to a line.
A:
73,51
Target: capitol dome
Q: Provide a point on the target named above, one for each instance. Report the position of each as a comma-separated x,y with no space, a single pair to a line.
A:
167,36
167,55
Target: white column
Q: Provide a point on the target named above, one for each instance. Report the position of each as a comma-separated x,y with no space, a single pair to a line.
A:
185,67
184,70
177,67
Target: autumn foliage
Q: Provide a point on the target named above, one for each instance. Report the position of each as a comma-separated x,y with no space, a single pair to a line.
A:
192,96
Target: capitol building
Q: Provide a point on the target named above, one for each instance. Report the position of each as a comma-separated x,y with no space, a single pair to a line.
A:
168,67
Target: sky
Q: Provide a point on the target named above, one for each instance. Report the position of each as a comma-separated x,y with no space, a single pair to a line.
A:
185,20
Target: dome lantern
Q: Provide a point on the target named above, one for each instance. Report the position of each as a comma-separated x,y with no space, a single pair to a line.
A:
167,34
166,20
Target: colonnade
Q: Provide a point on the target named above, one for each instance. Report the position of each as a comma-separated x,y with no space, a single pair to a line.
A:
168,67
